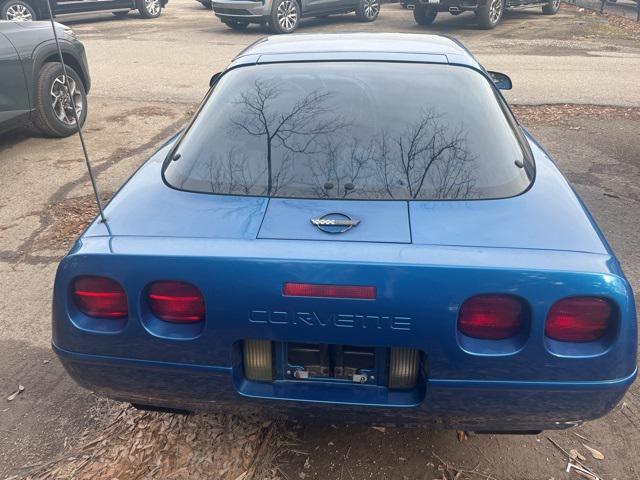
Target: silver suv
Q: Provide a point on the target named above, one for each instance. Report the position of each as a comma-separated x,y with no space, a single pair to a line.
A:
283,16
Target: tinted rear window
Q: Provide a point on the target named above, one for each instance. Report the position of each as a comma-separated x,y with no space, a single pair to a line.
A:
352,130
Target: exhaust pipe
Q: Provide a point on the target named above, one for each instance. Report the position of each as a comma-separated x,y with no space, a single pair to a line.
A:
455,10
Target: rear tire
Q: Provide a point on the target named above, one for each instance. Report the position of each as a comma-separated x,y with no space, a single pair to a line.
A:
235,25
285,16
53,114
367,10
424,15
149,8
17,11
551,8
490,14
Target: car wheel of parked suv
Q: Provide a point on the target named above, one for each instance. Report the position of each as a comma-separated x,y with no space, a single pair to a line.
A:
17,11
490,13
285,16
54,114
149,8
551,8
236,25
367,10
424,15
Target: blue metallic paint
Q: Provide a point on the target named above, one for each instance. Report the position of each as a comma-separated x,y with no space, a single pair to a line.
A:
479,405
541,246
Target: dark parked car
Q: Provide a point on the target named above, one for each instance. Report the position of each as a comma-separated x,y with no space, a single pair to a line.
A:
488,12
319,244
283,16
32,89
37,9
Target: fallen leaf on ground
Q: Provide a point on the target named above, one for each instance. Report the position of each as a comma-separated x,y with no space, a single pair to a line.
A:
462,435
380,429
16,393
594,453
576,454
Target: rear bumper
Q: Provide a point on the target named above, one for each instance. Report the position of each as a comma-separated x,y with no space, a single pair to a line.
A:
446,5
454,404
242,10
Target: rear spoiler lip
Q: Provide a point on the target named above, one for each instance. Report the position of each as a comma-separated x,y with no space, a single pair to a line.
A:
396,254
92,235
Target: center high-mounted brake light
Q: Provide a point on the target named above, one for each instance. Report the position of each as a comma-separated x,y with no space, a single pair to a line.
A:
491,317
329,291
100,297
178,302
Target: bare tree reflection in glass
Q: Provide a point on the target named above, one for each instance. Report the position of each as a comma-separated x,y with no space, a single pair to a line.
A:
336,130
428,153
232,174
296,129
339,170
426,159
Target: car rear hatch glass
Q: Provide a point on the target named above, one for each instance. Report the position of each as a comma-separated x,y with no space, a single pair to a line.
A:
344,131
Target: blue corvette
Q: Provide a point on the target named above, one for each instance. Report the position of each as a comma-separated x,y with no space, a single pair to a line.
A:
318,243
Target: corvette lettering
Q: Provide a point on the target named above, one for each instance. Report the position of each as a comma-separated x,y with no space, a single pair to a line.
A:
340,320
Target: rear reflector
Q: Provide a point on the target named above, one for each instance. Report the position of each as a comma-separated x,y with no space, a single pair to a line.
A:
329,291
491,317
257,360
579,319
176,302
403,368
100,297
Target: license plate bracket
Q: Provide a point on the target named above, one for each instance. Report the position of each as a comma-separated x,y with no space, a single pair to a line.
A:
338,363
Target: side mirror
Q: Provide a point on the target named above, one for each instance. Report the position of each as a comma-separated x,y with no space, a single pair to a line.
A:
214,79
501,81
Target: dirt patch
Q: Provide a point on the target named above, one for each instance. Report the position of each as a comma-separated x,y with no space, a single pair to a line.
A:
138,444
616,26
70,218
604,30
557,113
630,27
146,112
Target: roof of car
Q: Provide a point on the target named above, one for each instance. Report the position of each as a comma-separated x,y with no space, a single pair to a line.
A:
357,46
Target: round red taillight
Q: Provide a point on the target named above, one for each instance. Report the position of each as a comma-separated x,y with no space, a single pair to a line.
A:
579,319
178,302
100,297
491,317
